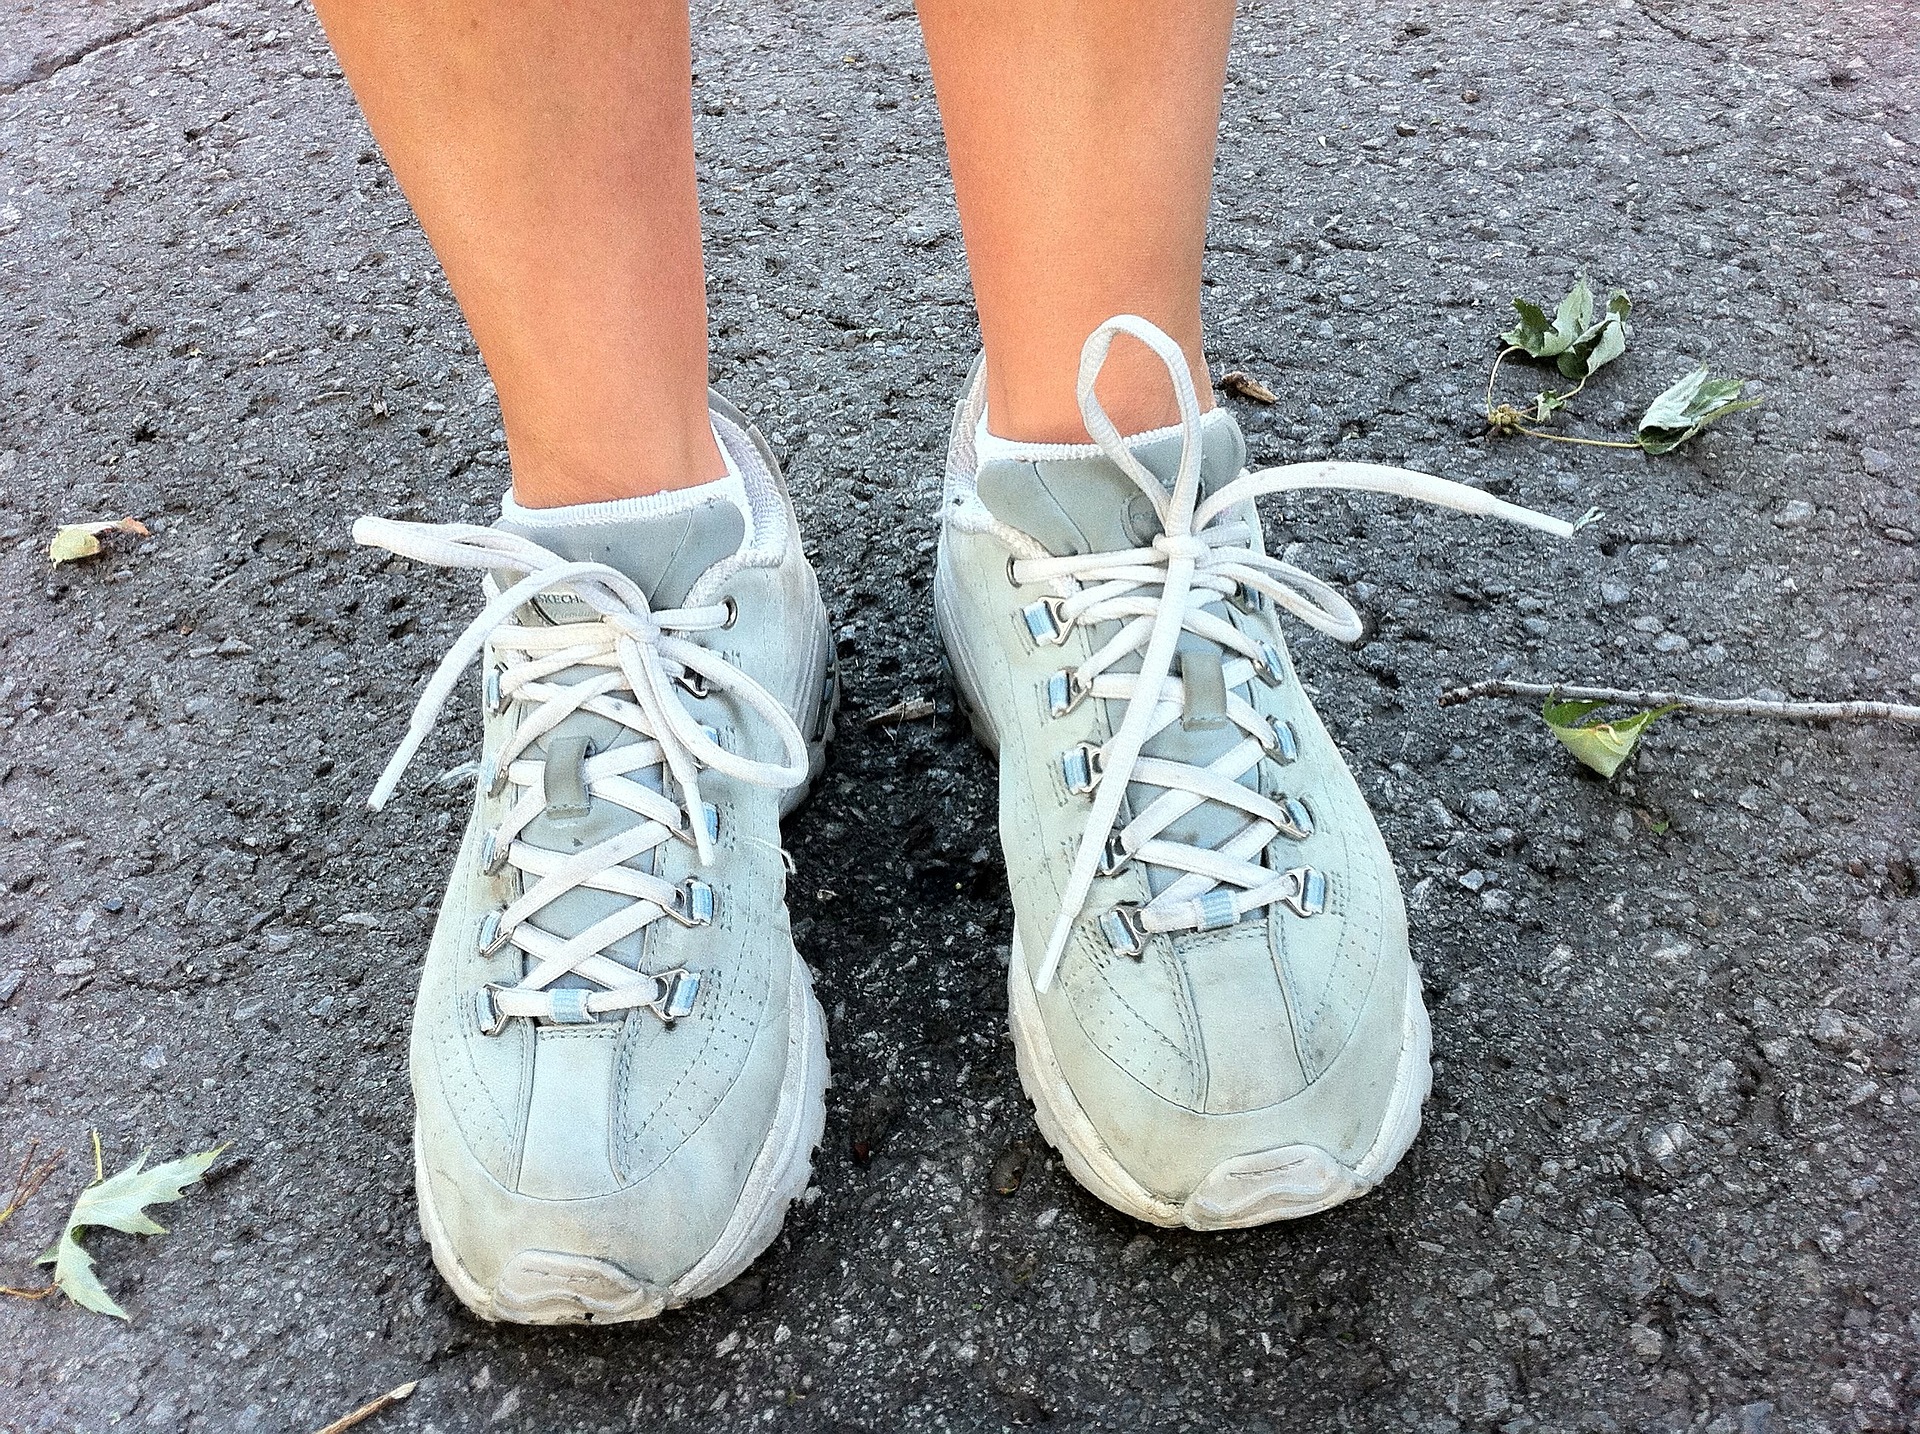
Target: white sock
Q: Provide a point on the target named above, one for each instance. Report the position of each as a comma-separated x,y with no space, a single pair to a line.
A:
730,486
989,447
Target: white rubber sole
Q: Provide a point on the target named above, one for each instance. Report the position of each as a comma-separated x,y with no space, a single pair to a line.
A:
1285,1183
553,1287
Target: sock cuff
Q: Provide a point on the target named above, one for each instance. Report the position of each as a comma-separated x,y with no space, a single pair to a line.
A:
989,447
730,486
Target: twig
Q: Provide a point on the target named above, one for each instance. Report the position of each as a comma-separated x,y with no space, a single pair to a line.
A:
1686,701
30,1179
371,1408
24,1188
1630,124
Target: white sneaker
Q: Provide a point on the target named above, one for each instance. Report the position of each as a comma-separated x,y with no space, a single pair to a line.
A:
1212,1001
618,1062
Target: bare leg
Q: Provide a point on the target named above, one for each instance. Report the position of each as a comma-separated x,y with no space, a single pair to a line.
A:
548,151
1082,137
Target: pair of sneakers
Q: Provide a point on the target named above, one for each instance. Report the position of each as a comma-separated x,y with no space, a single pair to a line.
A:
618,1063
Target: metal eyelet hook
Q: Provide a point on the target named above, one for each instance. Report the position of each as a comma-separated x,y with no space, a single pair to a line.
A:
733,612
1080,768
1121,926
694,683
1308,896
693,903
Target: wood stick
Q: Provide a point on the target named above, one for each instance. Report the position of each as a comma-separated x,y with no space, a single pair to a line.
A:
371,1408
1723,706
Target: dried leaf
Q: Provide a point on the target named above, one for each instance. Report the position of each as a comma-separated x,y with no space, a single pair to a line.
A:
1689,406
82,540
1602,746
1245,385
119,1203
914,709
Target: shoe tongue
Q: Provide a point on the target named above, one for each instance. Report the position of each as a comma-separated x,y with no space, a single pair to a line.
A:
1088,505
665,554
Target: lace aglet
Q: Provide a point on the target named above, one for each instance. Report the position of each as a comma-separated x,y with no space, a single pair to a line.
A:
1056,948
383,789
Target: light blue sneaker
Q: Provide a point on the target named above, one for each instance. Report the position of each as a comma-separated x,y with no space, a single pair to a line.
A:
1212,1000
618,1062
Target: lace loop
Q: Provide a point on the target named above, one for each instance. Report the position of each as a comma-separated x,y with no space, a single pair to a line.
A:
1158,592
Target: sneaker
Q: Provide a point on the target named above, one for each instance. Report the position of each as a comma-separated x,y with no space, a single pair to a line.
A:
1212,1000
618,1062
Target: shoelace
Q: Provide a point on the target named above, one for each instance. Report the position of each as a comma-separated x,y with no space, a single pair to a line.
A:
1157,593
644,665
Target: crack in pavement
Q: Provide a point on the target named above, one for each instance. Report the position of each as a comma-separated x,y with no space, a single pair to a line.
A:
51,65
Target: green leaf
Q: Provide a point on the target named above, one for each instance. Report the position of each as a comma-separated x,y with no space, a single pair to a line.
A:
1546,404
1577,342
1602,746
1689,406
1533,333
1601,343
119,1203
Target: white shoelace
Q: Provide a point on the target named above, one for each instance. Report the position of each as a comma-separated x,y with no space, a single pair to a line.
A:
1157,593
643,666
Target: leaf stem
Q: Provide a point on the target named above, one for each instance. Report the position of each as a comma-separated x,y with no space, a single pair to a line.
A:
1687,701
1570,438
1498,359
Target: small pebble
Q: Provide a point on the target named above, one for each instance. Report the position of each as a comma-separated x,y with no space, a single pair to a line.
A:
10,982
1794,514
1614,593
78,966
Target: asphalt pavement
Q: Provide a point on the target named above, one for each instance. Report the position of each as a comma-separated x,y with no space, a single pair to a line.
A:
1667,1180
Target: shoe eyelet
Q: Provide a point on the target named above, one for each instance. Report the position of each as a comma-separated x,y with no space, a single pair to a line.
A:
496,702
488,939
733,612
487,1013
1066,690
1080,768
492,856
1308,896
1302,817
692,682
1046,624
1121,926
1285,746
693,903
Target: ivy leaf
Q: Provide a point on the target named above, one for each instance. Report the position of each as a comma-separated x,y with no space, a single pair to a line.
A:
1689,406
119,1203
1602,746
1578,343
